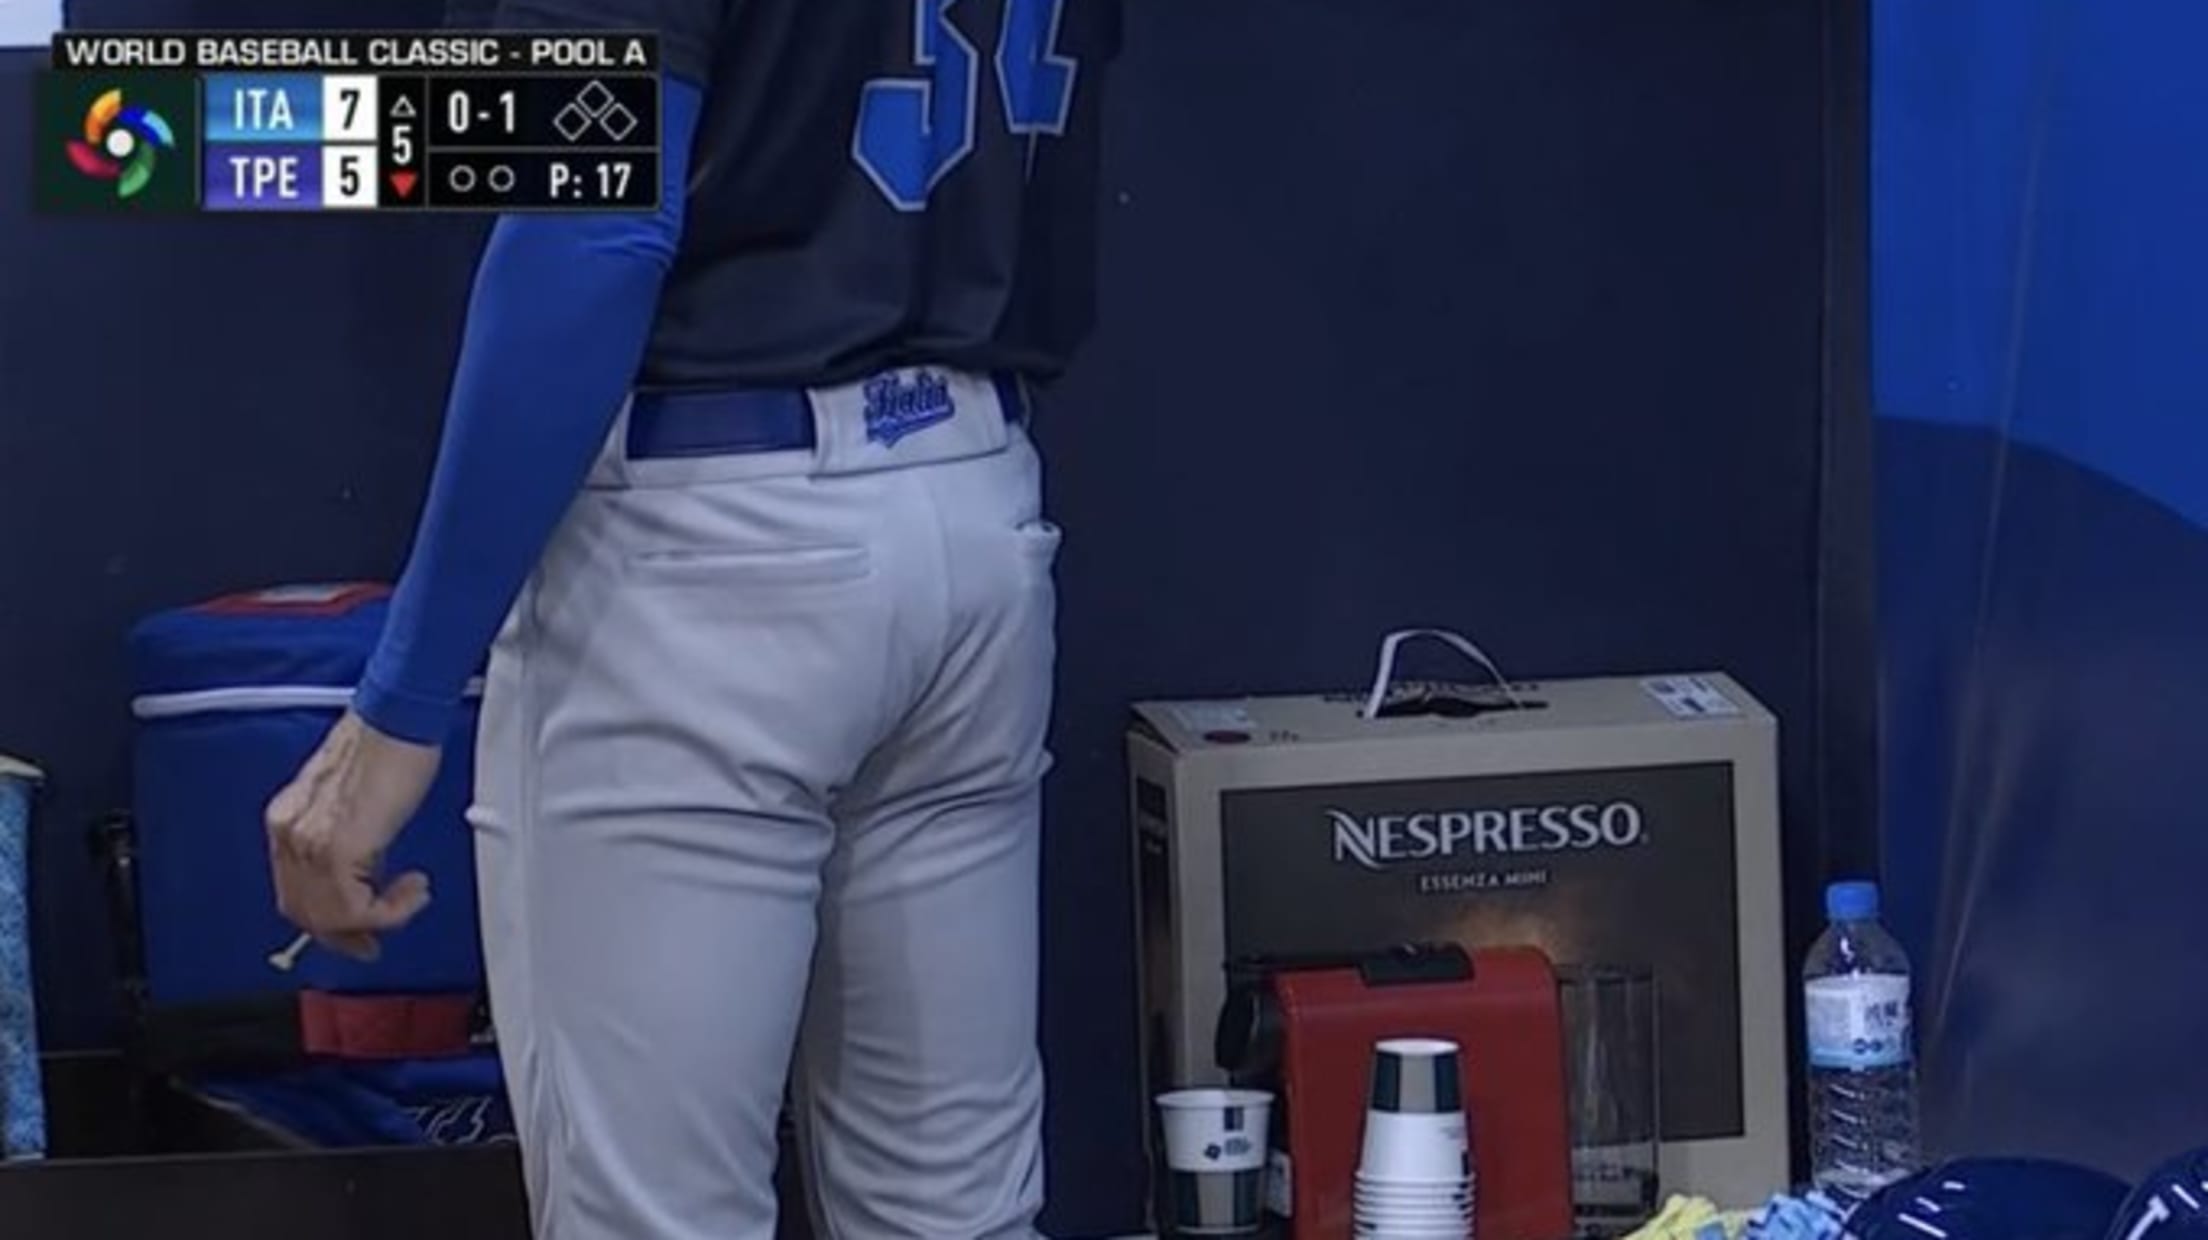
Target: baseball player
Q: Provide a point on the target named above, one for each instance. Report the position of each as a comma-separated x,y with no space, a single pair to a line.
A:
744,491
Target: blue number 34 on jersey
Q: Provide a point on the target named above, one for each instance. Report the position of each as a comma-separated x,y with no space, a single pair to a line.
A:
913,131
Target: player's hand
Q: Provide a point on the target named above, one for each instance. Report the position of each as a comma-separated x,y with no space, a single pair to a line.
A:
329,828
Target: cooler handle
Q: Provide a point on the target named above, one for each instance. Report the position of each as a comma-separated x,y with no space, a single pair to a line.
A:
331,599
1384,677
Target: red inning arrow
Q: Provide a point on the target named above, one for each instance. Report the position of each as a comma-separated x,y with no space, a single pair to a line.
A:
403,182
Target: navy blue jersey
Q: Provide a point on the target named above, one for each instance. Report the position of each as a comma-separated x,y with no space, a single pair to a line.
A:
875,182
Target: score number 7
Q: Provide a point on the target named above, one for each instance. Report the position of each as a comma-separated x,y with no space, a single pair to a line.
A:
913,131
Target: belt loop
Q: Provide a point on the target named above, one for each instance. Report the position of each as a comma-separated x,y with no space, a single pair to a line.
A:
1015,399
819,415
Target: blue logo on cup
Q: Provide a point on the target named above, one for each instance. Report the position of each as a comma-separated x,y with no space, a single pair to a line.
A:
897,407
1236,1146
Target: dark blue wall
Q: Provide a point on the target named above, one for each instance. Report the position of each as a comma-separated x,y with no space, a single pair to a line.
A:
1504,316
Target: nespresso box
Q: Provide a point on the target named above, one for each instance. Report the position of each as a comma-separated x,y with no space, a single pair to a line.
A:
1610,823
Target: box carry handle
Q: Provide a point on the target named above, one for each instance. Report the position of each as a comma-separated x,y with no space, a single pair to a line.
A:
1384,676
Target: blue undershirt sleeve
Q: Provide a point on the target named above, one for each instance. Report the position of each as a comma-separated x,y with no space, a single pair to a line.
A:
557,324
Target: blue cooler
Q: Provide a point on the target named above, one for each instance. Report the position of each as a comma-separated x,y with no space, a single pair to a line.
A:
230,697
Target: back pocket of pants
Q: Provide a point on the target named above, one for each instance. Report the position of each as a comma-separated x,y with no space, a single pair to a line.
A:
741,567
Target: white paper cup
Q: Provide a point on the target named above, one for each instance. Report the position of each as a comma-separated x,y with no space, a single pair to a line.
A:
1409,1227
1415,1149
1409,1210
1436,1215
1394,1232
1454,1203
1447,1217
1216,1142
1416,1223
1445,1204
1406,1209
1438,1192
1454,1190
1383,1190
1417,1076
1215,1129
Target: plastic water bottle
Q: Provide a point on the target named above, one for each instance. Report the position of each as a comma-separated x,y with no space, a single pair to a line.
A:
1862,1064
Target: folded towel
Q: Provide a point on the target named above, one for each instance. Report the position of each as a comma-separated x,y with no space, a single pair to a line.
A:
458,1101
1692,1218
22,1097
1813,1216
1810,1217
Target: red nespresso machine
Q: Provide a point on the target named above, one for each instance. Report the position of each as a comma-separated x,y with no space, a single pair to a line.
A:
1304,1028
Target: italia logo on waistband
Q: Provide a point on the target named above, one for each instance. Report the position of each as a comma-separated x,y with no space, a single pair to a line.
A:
898,405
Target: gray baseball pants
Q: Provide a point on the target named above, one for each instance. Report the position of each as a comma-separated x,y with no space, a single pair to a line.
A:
758,778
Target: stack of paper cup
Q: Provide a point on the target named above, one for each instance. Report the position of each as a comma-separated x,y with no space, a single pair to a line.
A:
1415,1181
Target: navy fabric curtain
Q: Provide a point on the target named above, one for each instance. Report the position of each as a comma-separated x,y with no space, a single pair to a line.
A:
2039,260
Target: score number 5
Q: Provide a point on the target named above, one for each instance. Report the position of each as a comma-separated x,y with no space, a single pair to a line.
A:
913,131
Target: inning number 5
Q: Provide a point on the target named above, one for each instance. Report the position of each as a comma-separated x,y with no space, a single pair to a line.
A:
913,131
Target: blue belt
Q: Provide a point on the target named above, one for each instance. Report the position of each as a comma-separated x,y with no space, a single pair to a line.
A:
743,421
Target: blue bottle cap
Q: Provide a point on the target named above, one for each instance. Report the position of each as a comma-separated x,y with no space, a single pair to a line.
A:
1852,901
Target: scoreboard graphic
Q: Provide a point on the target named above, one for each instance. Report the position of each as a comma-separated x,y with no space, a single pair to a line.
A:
315,122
